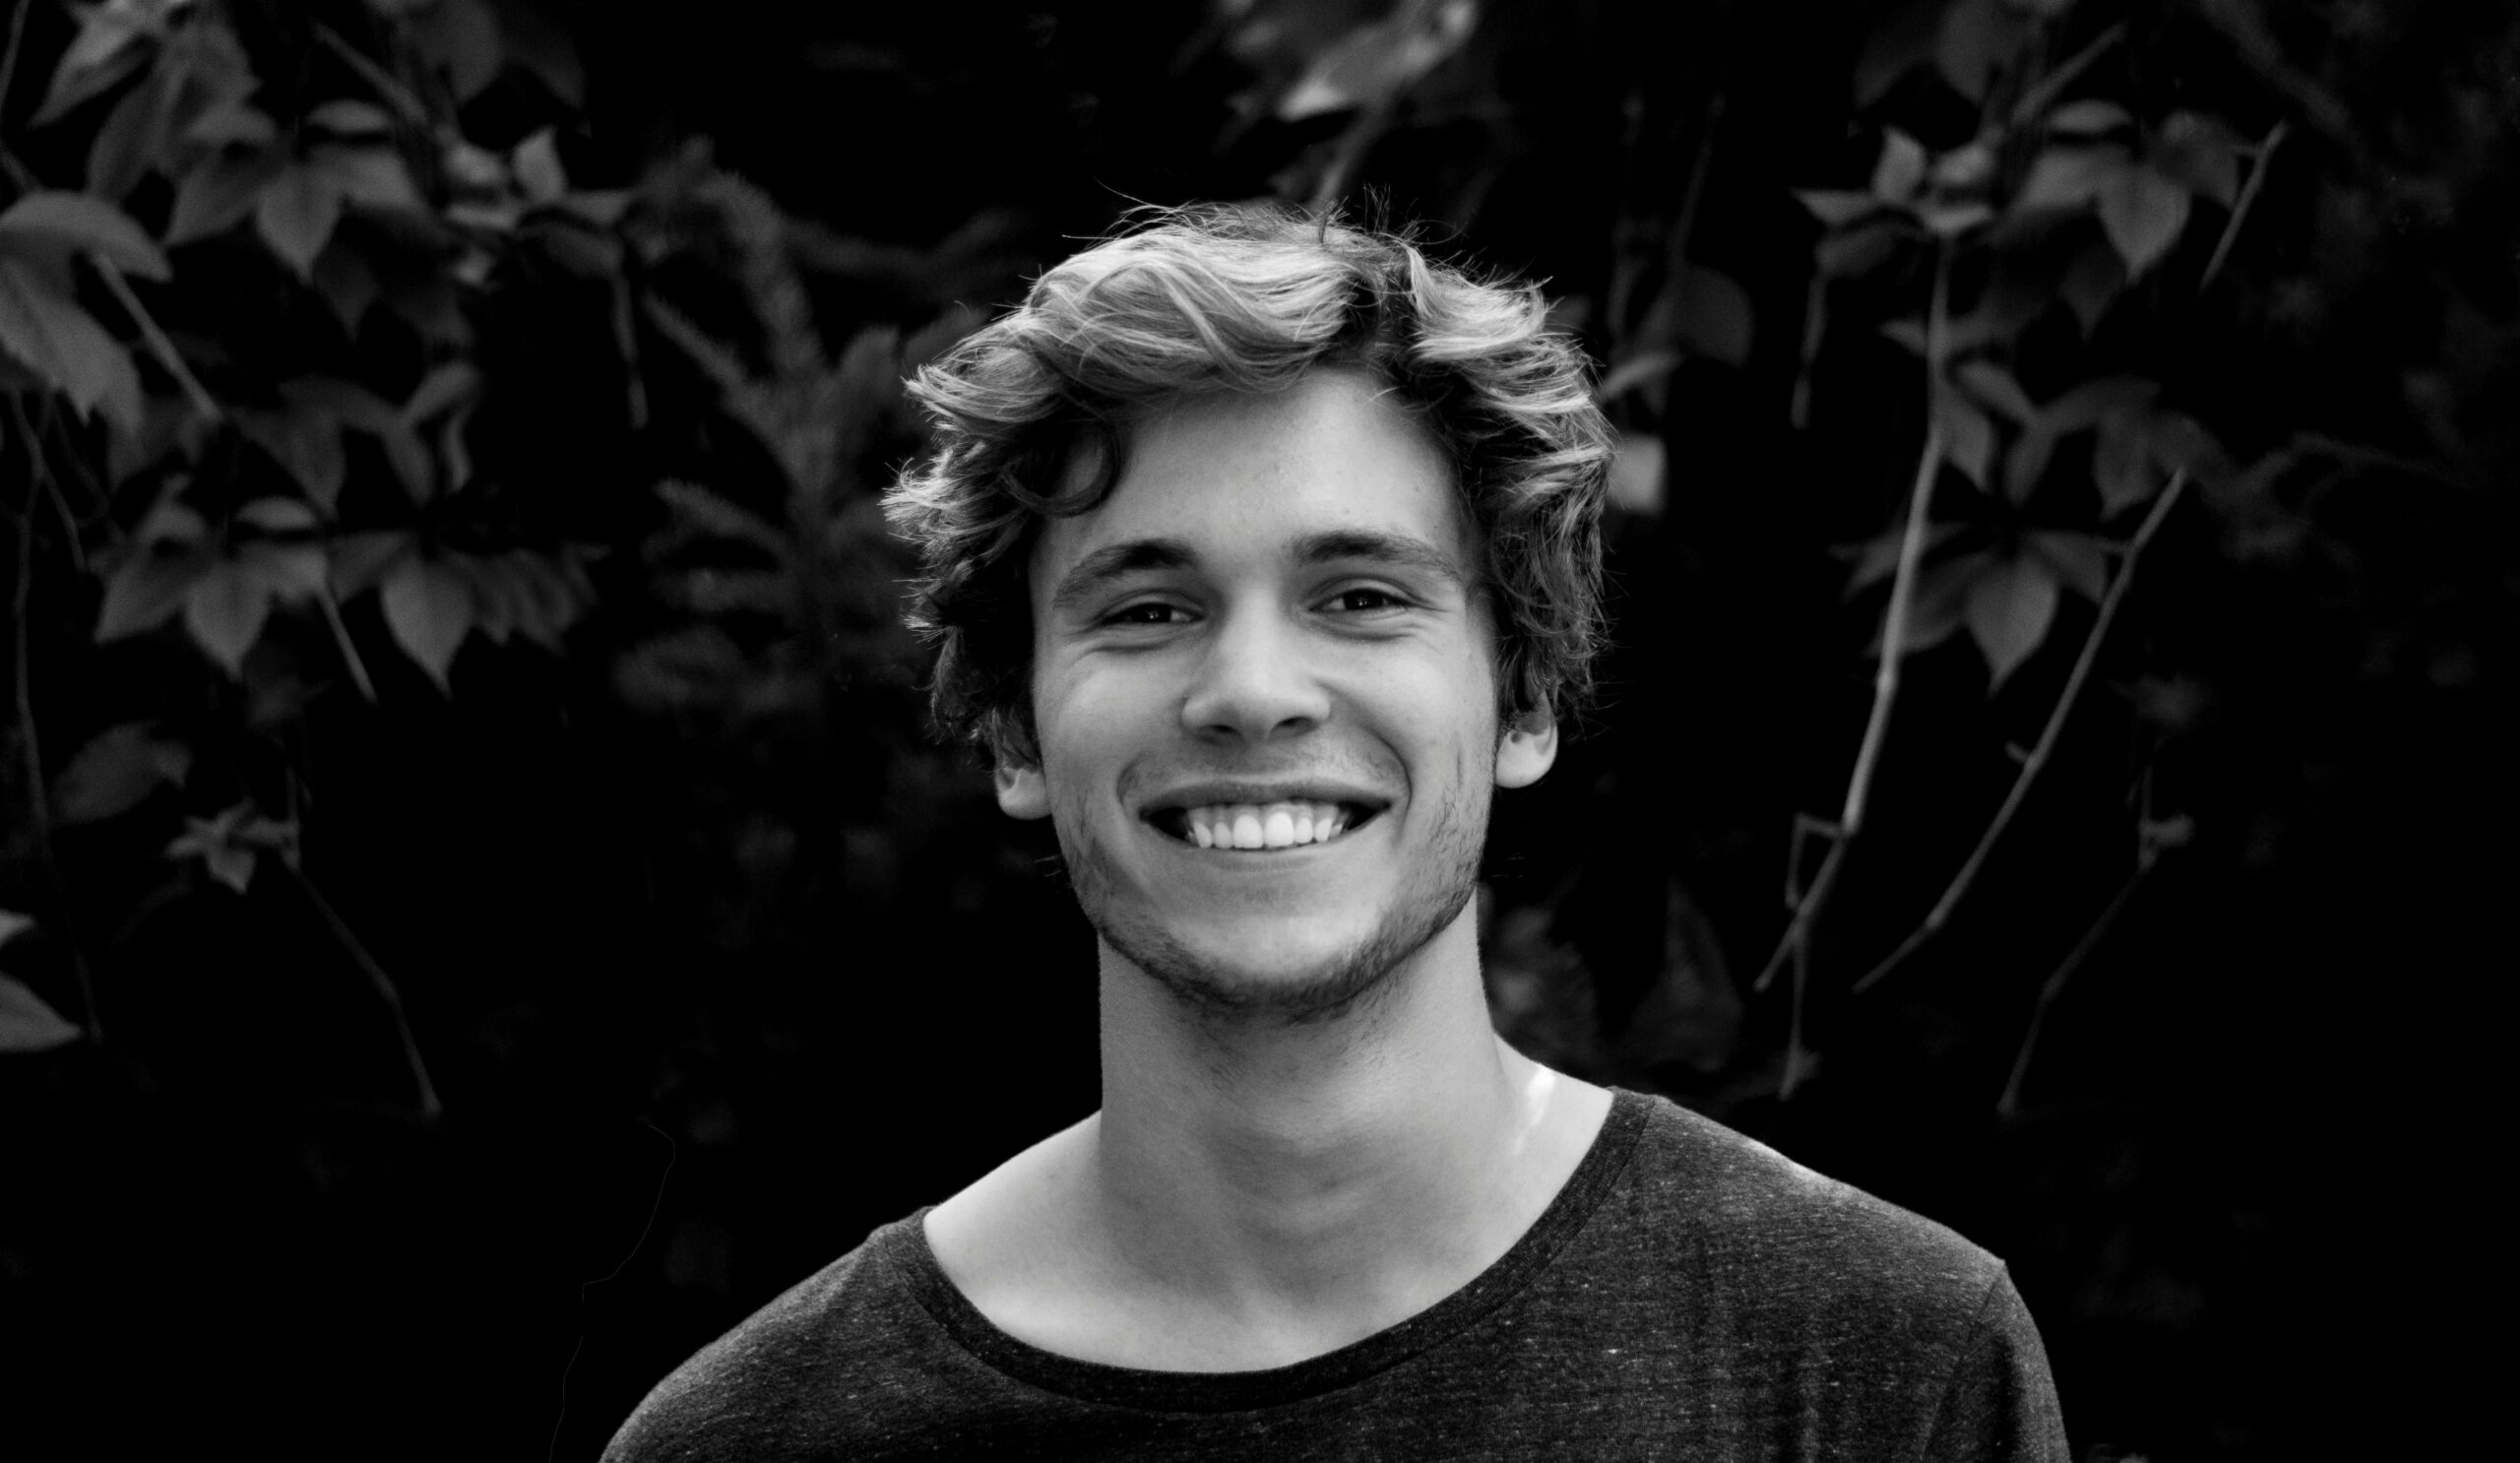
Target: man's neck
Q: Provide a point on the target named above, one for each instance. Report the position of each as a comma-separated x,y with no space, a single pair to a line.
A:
1331,1176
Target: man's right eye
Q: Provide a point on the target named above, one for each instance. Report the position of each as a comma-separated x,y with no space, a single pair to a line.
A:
1144,613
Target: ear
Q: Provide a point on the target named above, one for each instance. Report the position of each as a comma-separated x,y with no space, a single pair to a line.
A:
1021,791
1526,751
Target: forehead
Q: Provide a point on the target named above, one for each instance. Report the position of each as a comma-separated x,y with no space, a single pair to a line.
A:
1239,476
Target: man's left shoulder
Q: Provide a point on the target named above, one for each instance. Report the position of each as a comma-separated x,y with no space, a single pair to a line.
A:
1782,1236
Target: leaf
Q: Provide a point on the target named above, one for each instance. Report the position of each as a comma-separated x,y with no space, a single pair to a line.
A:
1838,208
148,588
447,386
537,163
226,612
234,124
1636,474
2089,282
1994,386
1950,220
1877,558
2099,398
296,213
219,192
1712,314
294,572
66,348
2122,465
117,770
1376,62
26,1024
77,223
462,37
14,924
305,442
2179,442
279,516
1858,250
2067,177
2009,610
371,177
356,406
96,62
1900,169
544,47
126,147
1941,596
360,560
2026,461
227,844
2090,117
2200,154
428,608
2080,561
1637,370
348,116
1968,437
2143,213
1978,38
347,283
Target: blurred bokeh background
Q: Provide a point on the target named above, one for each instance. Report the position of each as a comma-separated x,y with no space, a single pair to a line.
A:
479,910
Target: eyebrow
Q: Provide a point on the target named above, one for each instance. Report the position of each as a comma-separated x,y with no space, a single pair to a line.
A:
1114,562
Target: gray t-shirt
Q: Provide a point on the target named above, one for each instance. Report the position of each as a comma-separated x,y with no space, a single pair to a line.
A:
1689,1294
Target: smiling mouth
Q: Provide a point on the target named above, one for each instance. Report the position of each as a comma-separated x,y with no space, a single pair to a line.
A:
1262,827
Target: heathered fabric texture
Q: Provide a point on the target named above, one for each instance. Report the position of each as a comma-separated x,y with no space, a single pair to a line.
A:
1689,1294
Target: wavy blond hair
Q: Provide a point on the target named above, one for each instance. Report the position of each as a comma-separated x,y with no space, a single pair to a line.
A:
1248,298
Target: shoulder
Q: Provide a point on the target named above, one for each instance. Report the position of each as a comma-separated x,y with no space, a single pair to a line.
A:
1780,1236
824,1358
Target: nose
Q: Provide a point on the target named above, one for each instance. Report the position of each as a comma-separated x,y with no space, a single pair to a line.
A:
1254,684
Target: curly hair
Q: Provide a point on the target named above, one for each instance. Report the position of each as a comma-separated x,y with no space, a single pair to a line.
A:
1248,298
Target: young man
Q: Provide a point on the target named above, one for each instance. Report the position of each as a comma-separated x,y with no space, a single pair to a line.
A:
1260,552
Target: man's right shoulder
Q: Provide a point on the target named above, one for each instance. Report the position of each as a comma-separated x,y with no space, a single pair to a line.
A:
825,1361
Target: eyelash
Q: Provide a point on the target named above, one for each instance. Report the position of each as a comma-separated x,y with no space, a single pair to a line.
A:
1124,615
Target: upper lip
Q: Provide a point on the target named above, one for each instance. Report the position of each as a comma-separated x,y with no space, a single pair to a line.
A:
1222,792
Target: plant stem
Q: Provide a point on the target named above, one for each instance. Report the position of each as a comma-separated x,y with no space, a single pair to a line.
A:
2239,209
158,346
2035,100
375,76
2011,1103
342,640
1893,634
425,1089
2037,761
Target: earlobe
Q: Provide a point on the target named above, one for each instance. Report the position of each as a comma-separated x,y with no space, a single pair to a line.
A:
1021,791
1527,749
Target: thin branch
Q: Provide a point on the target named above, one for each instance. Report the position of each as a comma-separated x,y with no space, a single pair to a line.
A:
2035,100
2240,210
9,58
158,346
1795,1055
1815,329
1893,634
2010,1101
2320,106
2037,761
425,1089
342,639
374,74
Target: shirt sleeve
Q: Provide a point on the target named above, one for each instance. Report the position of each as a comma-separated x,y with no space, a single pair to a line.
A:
2000,1406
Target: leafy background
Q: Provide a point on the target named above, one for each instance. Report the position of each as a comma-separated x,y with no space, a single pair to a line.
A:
479,913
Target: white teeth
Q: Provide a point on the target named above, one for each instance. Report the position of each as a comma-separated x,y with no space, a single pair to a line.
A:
1279,825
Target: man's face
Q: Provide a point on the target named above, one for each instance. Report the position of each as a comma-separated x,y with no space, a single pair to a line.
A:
1264,688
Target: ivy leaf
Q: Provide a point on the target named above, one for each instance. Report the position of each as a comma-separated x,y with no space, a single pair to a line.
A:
1977,40
279,516
348,116
1968,437
1838,208
462,37
226,610
305,443
2080,561
360,560
1877,558
429,608
347,283
1901,169
351,405
26,1024
98,58
229,844
296,213
1640,370
370,176
126,147
66,349
1858,250
1705,311
2089,282
2009,610
1994,386
1636,474
117,770
539,174
1376,62
2099,398
2090,117
2026,461
234,124
2067,177
218,192
1942,600
74,222
2121,463
2143,213
146,590
2199,154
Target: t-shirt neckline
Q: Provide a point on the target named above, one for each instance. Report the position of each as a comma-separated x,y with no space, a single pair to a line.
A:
1231,1391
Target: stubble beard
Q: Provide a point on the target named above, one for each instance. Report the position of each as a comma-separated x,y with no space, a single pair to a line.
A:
1436,893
